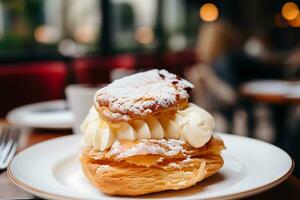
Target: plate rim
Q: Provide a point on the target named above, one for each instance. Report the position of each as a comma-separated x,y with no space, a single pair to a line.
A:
16,110
242,194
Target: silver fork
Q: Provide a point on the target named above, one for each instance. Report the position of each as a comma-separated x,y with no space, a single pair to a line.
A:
9,141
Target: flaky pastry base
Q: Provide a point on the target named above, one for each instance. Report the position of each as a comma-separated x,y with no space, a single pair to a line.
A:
130,177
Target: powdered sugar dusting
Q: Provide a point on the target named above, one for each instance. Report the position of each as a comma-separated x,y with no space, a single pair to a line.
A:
187,160
115,149
174,165
162,147
102,168
142,93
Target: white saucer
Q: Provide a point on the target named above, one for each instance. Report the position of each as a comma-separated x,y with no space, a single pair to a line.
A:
49,114
251,166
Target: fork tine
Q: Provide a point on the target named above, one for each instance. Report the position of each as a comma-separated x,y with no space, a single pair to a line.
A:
12,135
11,154
9,141
1,136
6,149
4,137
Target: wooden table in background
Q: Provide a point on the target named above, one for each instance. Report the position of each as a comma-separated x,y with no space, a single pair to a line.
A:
289,189
272,91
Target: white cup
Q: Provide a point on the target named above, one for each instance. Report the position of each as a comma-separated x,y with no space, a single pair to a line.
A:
80,99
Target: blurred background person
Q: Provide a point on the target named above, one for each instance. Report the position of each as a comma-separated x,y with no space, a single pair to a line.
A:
222,68
215,81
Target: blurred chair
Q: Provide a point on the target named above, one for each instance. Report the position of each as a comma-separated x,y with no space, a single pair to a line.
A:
24,83
96,70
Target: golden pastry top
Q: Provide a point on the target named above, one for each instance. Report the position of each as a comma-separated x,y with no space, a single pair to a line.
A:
141,95
192,125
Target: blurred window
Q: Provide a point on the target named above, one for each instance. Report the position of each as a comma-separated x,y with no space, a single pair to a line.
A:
43,28
74,27
133,24
174,20
70,27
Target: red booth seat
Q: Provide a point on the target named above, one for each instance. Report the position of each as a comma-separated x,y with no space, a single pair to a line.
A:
96,70
25,83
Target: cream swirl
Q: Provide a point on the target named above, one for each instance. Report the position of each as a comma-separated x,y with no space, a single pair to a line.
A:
193,124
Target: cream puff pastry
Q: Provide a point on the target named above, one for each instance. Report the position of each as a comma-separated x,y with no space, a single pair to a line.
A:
143,136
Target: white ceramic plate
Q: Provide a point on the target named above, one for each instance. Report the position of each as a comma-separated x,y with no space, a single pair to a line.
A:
51,170
49,114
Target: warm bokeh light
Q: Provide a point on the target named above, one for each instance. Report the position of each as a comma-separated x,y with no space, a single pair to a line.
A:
295,22
144,35
177,42
85,34
46,34
67,47
289,11
209,12
254,47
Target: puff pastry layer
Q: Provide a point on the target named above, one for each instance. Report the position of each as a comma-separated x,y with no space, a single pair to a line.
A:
142,172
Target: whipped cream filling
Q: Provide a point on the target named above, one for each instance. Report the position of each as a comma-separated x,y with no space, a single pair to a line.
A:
193,125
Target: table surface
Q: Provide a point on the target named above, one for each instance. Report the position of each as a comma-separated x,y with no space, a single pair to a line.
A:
272,91
289,189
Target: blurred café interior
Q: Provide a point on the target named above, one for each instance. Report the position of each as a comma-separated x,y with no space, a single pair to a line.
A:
242,56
